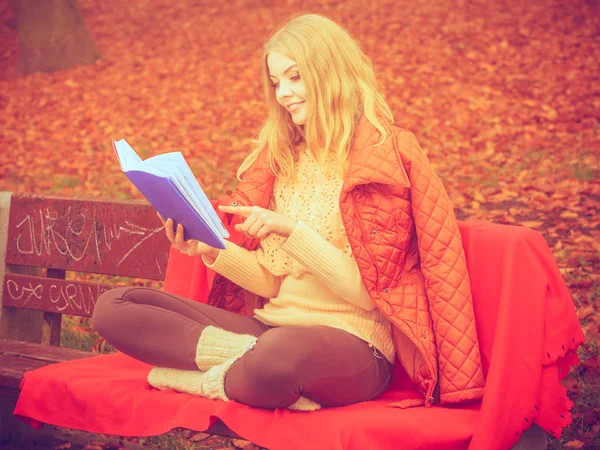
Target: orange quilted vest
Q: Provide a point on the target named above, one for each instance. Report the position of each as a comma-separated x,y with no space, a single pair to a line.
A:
406,242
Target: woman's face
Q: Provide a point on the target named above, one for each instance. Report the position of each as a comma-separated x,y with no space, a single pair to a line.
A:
289,88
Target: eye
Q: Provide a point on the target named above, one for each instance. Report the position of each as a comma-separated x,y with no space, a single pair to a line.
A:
293,78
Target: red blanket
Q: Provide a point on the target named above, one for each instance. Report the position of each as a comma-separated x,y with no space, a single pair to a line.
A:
528,332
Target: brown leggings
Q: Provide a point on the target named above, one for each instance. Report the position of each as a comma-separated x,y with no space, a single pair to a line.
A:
324,364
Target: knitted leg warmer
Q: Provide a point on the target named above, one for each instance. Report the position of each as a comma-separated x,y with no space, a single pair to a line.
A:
216,346
213,382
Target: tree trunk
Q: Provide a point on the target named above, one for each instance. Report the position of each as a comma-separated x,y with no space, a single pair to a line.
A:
52,36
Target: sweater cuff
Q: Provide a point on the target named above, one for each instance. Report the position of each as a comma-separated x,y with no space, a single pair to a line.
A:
241,266
312,250
235,263
215,264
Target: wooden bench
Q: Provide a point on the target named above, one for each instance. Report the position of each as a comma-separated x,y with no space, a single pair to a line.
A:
41,238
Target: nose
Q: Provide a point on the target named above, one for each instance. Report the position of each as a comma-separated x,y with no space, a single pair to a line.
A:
283,91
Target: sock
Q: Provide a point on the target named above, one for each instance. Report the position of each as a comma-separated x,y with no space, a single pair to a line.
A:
209,384
304,404
188,381
216,346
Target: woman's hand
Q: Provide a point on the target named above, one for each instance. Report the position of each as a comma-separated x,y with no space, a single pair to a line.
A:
261,222
190,247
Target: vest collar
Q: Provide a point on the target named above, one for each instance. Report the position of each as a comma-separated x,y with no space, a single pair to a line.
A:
373,163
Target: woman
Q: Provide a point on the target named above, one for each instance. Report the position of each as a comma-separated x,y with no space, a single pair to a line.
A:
345,232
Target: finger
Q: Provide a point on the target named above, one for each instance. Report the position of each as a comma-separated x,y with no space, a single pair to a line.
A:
260,222
179,237
264,232
244,211
169,230
240,227
247,224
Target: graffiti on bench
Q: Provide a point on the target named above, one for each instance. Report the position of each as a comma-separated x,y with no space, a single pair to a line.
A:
23,294
47,294
114,238
51,239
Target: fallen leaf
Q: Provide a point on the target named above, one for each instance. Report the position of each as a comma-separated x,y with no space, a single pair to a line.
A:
479,197
584,313
71,83
549,112
240,443
569,215
199,437
64,446
574,445
591,363
531,223
112,446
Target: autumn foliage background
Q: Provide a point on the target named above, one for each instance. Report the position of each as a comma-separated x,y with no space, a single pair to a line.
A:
503,95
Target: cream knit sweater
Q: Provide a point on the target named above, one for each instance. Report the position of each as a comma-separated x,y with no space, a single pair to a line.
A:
310,277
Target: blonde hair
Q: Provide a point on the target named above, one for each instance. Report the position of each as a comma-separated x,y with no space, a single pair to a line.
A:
340,86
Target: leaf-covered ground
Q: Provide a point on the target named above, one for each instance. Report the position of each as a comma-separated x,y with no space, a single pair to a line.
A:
504,96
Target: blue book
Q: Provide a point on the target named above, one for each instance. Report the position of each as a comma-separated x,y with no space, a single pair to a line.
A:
169,185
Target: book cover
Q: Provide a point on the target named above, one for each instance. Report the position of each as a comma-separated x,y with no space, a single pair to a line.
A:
165,198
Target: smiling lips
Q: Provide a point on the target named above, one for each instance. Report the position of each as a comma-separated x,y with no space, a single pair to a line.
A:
293,106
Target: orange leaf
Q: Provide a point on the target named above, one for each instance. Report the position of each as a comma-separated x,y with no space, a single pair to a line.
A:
199,437
569,215
584,313
240,443
64,446
532,223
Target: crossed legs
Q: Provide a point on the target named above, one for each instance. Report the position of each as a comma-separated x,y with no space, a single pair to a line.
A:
328,366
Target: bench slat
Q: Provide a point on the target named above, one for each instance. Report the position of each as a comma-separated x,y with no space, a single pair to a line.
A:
114,238
51,294
47,353
17,357
12,369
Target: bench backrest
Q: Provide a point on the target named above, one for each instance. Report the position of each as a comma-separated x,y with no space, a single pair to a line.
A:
43,237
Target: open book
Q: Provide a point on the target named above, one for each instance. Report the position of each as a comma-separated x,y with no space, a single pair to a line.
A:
169,185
